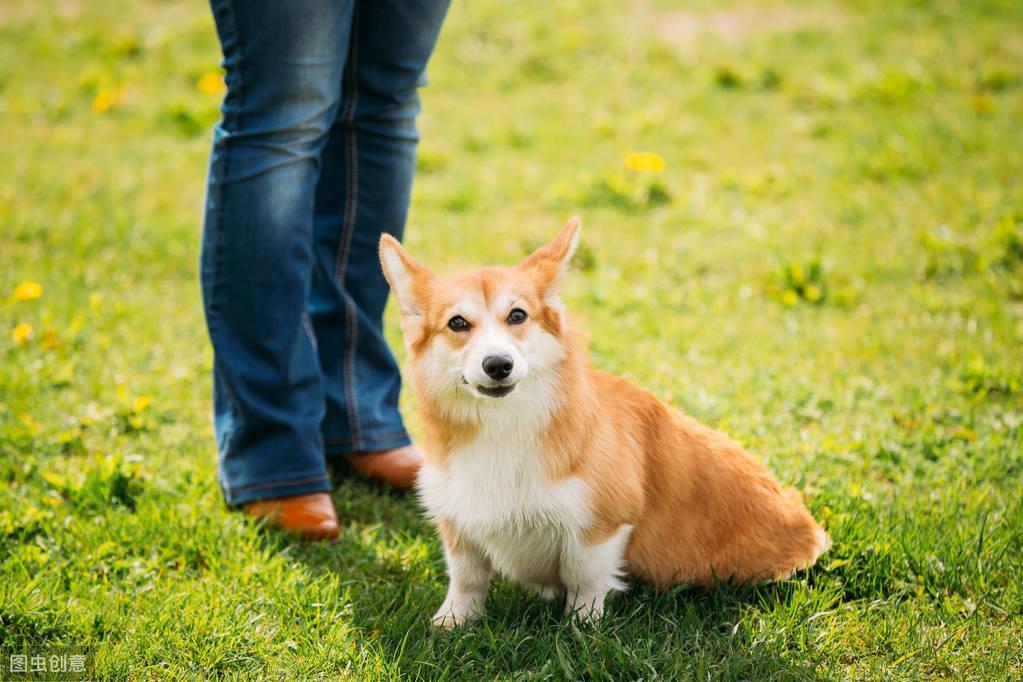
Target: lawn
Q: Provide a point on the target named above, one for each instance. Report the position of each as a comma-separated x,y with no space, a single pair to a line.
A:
803,224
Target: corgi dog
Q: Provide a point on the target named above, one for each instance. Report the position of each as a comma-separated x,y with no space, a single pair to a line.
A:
561,477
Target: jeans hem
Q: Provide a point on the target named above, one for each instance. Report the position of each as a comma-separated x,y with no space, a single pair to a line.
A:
368,442
271,490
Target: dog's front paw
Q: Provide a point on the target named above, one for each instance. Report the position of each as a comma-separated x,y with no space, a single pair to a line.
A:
455,614
587,608
549,593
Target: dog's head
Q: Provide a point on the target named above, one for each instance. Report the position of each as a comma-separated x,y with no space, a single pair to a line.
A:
484,336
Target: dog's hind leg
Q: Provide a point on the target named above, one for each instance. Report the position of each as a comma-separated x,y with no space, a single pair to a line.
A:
591,571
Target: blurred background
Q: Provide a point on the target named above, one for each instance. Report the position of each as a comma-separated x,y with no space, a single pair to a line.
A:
803,224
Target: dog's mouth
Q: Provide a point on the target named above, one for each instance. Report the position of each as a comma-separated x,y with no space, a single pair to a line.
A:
495,391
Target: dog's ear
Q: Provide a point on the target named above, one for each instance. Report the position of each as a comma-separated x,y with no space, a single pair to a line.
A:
408,279
549,263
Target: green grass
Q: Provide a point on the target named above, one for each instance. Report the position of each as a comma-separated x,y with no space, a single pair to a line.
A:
830,268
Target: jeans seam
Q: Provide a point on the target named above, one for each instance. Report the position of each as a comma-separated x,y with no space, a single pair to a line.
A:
348,227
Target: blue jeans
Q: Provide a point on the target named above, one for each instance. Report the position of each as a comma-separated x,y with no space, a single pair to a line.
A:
312,160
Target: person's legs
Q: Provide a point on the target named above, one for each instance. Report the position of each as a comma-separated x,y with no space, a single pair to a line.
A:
284,62
363,191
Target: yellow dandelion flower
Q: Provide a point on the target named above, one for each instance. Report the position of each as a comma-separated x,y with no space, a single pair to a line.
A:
211,83
28,290
790,298
21,333
105,99
141,403
54,479
645,161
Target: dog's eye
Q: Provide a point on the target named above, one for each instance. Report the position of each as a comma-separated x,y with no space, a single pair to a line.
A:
458,324
517,316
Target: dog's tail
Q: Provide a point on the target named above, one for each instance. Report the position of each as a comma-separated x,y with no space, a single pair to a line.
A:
821,540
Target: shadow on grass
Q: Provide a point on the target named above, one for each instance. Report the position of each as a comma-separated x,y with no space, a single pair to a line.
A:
391,567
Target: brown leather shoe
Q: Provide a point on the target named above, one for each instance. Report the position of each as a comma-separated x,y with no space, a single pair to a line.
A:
310,517
397,468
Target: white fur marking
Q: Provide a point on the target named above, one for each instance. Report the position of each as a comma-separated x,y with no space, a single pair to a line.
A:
494,492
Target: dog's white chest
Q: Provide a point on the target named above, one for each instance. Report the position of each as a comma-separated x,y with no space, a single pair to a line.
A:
498,497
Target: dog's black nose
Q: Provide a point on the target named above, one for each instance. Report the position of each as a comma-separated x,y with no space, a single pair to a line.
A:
498,367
